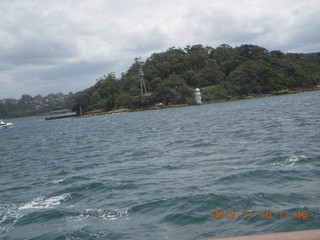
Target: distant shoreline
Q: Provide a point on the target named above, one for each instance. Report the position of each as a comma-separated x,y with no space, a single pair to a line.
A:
250,96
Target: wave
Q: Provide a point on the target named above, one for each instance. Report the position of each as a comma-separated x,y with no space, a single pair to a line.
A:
290,161
12,214
9,216
202,205
182,219
104,214
57,181
44,202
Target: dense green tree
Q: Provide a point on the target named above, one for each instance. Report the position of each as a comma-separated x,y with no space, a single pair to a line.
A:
251,52
3,111
26,98
171,77
222,72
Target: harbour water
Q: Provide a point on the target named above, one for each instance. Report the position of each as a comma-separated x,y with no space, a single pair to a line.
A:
162,174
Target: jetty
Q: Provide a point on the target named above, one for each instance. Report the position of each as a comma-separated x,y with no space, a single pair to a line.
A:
62,116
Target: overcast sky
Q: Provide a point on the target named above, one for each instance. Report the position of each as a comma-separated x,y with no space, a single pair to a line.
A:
51,46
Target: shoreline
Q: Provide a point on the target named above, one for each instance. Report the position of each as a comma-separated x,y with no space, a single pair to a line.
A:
250,96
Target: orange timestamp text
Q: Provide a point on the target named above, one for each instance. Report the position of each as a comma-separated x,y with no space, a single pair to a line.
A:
259,215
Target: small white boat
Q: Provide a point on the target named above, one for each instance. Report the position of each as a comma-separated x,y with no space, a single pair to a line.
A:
5,125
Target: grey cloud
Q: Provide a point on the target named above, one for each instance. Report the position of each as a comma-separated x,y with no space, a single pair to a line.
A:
38,52
66,45
74,76
146,41
34,38
305,36
76,69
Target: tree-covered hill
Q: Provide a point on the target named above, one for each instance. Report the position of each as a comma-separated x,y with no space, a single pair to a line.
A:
221,73
170,78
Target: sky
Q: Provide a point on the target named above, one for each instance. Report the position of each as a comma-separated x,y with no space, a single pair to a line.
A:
51,46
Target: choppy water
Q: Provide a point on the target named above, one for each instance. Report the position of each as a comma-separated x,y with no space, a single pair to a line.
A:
160,174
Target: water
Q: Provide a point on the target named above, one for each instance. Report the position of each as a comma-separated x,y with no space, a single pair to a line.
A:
160,174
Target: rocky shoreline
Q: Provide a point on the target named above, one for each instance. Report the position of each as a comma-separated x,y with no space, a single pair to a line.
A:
162,106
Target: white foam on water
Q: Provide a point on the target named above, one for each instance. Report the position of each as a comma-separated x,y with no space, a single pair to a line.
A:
57,181
76,233
103,214
43,202
290,161
9,216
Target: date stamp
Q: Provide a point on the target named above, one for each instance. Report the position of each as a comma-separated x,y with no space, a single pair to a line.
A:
259,215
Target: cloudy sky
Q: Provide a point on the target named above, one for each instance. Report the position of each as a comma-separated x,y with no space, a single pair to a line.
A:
50,46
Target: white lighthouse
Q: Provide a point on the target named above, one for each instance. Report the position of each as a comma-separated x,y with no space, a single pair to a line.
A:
197,95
